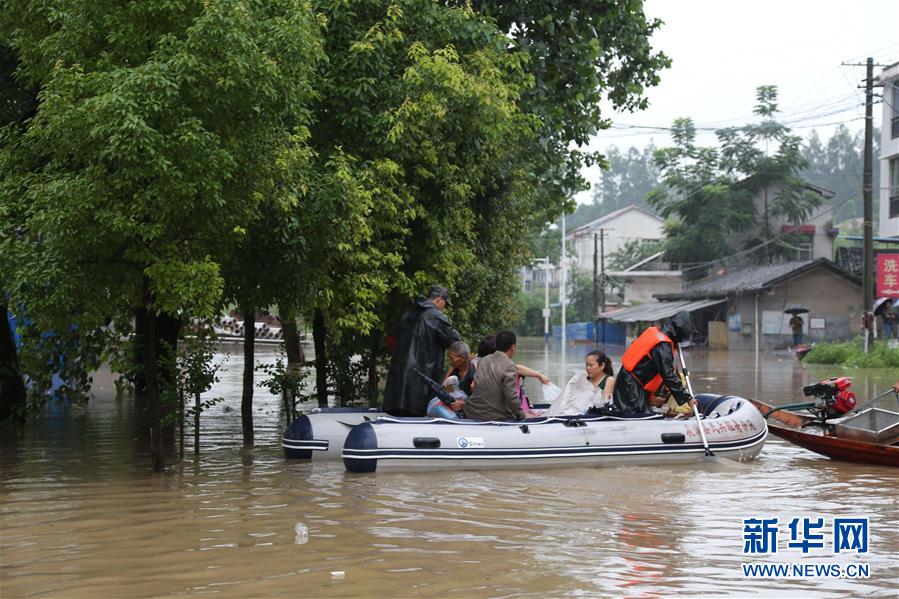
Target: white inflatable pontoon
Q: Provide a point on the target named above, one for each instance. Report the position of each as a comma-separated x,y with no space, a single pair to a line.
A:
374,442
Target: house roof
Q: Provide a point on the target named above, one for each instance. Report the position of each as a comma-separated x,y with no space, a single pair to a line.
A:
610,217
822,190
657,310
643,262
749,279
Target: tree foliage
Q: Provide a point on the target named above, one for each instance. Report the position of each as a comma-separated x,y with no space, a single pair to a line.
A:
837,164
157,128
631,252
710,193
697,200
332,158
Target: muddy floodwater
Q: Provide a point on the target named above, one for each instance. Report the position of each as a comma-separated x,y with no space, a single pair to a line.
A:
82,515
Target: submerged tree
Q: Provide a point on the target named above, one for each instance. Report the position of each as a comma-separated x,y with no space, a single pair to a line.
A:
157,125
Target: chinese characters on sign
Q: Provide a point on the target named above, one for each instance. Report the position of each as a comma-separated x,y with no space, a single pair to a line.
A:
887,275
849,535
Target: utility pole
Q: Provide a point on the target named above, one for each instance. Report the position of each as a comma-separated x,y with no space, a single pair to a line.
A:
545,266
602,287
867,187
868,280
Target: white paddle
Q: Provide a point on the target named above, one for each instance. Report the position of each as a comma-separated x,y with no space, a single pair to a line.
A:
683,365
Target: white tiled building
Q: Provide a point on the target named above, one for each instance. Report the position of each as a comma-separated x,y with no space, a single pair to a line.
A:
630,222
889,153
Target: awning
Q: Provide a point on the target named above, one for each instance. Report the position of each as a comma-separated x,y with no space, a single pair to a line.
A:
659,310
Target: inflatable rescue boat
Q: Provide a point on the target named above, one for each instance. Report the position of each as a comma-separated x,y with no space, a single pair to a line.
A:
373,442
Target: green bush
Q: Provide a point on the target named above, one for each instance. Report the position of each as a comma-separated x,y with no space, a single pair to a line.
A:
849,353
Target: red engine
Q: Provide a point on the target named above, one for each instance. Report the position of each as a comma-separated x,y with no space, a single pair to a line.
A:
835,393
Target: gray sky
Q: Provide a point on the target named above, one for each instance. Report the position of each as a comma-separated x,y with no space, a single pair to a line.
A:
721,50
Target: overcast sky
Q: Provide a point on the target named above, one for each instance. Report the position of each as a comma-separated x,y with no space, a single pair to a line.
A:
721,50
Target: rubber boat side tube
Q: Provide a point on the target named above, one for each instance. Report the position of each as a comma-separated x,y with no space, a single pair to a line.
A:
734,427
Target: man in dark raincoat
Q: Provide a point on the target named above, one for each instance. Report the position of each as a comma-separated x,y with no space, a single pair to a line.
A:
648,365
421,337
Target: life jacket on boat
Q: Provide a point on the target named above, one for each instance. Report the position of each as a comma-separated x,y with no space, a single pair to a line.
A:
637,362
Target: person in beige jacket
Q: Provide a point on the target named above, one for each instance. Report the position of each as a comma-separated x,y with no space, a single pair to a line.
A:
495,394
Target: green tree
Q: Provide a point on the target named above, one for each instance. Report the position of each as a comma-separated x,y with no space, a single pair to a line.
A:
158,125
631,252
628,179
766,159
18,101
837,165
579,54
700,206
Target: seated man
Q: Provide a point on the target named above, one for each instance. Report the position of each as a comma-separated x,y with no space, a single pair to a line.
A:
495,394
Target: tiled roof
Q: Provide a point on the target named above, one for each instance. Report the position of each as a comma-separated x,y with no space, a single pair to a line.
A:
729,280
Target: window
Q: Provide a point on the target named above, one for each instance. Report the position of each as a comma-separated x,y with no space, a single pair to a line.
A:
895,106
894,187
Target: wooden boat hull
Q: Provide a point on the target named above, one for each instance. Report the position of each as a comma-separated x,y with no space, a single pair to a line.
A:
789,426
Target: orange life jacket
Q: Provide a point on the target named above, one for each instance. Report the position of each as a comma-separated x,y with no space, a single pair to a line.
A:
639,351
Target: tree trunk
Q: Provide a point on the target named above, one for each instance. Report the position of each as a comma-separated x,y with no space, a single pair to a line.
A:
249,362
295,358
181,424
151,381
140,378
167,330
12,385
321,368
197,408
371,392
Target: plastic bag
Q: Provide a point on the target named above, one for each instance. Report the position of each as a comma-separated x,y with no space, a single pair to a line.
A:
550,392
438,409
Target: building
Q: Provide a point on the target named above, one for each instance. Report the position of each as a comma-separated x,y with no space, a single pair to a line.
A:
735,306
619,227
756,297
641,282
889,153
535,276
814,236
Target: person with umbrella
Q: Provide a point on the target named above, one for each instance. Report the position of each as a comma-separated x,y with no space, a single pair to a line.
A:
796,322
883,307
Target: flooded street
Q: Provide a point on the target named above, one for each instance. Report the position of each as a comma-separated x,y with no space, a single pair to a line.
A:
83,515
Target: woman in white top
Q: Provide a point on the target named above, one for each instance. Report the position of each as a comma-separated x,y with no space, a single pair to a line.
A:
588,389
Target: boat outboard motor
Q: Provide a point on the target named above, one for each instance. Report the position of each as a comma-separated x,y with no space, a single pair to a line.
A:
833,395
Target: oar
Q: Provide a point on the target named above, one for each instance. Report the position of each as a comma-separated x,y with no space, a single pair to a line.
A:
436,387
683,365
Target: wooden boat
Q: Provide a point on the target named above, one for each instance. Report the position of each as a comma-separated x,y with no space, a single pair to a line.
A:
868,436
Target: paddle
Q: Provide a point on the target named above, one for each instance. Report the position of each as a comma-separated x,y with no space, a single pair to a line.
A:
436,387
683,365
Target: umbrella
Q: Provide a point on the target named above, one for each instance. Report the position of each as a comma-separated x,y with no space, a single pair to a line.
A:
795,309
879,305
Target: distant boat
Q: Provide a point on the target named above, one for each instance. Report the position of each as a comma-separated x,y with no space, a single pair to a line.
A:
802,350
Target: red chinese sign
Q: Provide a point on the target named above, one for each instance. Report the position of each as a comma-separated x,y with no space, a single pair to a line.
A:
887,275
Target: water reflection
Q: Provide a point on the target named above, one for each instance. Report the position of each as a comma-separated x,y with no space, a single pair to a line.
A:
82,515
